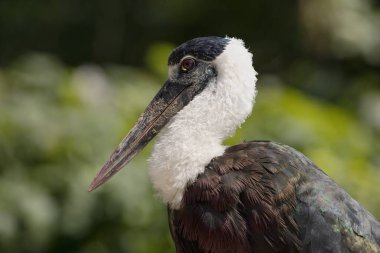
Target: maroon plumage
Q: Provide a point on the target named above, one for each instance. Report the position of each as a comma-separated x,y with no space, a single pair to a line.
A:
237,205
265,197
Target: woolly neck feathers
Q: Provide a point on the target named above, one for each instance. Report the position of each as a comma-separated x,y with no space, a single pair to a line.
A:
195,134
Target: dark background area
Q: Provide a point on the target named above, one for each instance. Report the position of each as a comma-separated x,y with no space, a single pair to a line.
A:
281,34
121,31
75,75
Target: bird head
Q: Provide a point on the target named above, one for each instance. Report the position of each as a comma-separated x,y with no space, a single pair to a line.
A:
194,67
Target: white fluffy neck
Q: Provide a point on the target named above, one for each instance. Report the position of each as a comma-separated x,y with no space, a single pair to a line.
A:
195,134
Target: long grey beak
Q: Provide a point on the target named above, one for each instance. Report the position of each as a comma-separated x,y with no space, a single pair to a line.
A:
171,98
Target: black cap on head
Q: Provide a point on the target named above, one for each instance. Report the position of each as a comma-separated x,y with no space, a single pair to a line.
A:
204,48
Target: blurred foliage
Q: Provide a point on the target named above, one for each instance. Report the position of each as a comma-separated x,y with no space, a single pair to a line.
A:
60,116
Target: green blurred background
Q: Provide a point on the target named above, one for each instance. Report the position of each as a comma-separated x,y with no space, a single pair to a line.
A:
75,75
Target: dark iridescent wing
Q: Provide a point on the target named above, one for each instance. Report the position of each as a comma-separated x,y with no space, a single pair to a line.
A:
266,197
328,218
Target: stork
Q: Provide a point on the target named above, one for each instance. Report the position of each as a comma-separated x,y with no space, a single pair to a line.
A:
258,196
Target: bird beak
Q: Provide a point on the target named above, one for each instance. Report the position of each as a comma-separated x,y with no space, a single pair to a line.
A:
171,98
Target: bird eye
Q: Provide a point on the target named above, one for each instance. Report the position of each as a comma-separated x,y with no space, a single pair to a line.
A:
187,64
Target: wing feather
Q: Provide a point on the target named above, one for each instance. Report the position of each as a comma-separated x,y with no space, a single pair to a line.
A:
266,197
